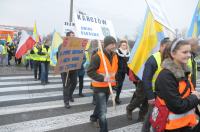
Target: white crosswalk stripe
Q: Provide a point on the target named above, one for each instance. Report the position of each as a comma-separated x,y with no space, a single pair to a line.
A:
52,104
57,122
23,103
35,87
58,80
131,128
24,77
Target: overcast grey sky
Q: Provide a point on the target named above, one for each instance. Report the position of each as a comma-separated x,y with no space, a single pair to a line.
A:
126,15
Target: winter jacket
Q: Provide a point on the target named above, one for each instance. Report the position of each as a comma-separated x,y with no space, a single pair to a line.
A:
81,72
92,70
167,85
122,61
148,73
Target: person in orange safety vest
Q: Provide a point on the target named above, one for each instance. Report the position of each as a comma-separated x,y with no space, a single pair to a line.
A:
96,71
175,90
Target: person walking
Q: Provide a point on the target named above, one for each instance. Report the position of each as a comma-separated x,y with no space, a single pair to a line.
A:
150,73
45,61
81,73
96,71
71,78
174,88
138,99
123,56
36,61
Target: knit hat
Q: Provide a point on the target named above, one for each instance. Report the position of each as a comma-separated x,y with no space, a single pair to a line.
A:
109,40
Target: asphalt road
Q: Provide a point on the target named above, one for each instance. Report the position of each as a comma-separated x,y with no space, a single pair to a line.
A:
26,105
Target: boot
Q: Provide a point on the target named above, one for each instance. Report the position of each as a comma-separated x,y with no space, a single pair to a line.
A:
80,92
117,100
93,100
71,99
43,83
67,106
81,95
129,114
94,121
140,119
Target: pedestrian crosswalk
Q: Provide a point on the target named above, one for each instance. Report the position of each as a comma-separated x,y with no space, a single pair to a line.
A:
28,106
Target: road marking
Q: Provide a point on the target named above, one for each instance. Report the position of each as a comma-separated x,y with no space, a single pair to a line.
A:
58,122
36,87
29,82
131,128
53,104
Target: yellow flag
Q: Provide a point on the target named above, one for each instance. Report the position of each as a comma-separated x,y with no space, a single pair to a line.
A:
35,34
147,42
56,42
9,39
194,29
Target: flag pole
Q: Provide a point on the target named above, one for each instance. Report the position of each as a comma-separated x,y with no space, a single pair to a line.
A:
107,74
71,11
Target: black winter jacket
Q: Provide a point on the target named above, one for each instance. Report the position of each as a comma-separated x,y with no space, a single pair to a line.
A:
122,61
167,85
149,70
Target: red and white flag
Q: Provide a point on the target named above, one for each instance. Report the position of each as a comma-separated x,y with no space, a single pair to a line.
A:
26,43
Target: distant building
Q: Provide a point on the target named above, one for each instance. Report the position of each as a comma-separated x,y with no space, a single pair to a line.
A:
13,31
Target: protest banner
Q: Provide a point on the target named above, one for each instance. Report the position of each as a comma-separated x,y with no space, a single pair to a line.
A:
70,56
92,27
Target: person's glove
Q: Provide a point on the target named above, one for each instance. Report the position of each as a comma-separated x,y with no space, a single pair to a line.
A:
107,78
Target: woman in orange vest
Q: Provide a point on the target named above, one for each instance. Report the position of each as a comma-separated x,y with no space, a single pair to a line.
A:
175,90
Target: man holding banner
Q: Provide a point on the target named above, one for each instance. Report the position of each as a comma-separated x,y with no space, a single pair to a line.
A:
70,85
97,72
70,57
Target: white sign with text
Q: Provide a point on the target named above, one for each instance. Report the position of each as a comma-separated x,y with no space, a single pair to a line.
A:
92,27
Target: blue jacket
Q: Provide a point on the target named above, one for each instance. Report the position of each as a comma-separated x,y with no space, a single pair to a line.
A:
149,70
81,72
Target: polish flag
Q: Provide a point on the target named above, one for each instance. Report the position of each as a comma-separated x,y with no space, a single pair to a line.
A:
26,43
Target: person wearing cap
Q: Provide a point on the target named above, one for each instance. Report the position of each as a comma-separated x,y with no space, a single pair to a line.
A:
96,71
150,73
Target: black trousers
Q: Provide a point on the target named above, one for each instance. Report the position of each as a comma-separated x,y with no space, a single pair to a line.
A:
69,88
9,58
139,100
120,81
37,67
17,61
80,78
146,124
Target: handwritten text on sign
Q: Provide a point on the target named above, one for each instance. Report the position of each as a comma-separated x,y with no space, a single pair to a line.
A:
70,55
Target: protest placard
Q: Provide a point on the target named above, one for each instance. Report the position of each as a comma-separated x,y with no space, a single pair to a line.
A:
92,27
70,55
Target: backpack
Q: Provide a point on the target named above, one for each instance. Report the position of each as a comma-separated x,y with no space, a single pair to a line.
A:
159,116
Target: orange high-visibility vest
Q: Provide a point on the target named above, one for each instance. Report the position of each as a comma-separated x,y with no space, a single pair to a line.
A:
112,70
176,121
